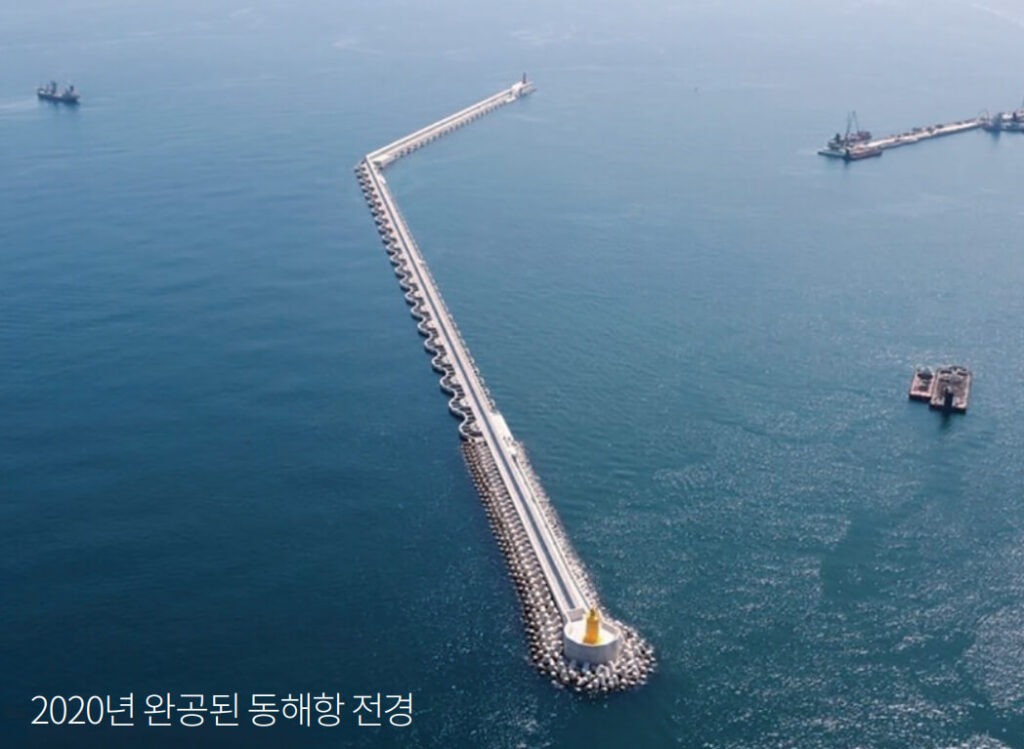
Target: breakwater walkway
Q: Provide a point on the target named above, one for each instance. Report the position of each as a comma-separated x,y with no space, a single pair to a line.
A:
570,639
918,134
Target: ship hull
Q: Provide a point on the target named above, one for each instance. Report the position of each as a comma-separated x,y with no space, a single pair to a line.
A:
862,152
58,98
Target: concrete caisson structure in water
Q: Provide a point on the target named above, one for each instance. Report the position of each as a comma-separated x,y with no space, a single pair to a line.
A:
569,639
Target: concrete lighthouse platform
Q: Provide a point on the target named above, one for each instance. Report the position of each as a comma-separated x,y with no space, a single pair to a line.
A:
589,639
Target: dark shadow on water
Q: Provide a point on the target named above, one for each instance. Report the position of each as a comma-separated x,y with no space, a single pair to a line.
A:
948,418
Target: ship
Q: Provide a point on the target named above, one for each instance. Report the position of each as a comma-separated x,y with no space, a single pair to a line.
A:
50,92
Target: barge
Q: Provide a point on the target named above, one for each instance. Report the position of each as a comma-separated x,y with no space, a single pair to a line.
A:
946,389
861,152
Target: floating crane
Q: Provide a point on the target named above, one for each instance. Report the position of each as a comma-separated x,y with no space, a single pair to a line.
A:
853,132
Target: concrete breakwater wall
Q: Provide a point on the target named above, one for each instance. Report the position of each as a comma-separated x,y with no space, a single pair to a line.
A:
569,639
409,143
543,621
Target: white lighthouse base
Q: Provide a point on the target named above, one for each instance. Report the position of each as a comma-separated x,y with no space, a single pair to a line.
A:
608,645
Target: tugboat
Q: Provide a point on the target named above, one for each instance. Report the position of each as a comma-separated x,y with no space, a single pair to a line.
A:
50,93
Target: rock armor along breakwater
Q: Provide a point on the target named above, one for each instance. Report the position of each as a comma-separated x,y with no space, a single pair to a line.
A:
570,638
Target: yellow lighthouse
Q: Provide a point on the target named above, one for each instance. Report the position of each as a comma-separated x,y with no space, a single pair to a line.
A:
588,638
593,633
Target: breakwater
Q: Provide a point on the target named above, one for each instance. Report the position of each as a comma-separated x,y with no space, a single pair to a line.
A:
857,144
853,147
571,638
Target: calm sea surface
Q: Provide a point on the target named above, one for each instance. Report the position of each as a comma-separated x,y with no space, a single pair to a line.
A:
225,465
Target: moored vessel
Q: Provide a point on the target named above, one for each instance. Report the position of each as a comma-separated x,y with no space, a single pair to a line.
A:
861,152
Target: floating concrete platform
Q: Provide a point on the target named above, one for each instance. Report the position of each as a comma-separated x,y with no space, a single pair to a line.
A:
952,389
945,388
923,385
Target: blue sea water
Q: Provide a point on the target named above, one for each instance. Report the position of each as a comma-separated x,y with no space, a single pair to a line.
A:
225,465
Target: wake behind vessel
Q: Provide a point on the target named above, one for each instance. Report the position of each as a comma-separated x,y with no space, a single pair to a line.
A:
51,93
